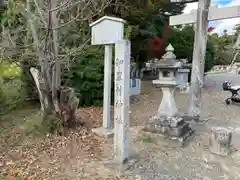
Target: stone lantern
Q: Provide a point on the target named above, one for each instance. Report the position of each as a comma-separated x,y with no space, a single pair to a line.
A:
167,81
167,121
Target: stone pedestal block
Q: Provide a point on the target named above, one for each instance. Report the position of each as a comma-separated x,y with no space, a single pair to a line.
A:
220,141
172,127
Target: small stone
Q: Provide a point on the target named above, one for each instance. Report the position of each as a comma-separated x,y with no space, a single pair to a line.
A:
220,141
175,121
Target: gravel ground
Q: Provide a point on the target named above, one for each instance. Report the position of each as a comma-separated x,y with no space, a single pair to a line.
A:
166,161
213,106
82,155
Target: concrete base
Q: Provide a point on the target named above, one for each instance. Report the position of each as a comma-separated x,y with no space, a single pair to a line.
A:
103,132
122,167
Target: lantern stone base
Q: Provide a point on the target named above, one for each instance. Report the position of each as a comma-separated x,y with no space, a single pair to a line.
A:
174,128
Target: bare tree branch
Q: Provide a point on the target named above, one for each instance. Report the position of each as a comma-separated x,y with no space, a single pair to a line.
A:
80,13
59,7
35,36
40,13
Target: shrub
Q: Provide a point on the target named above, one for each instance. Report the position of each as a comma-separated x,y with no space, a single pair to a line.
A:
183,41
87,76
11,94
28,84
210,59
2,95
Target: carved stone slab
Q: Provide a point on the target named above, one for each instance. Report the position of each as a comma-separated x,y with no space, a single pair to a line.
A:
220,141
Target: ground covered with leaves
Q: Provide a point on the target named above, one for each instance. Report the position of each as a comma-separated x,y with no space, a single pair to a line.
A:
27,152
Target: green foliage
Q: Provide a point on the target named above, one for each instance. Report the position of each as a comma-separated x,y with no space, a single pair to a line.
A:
28,84
2,93
14,38
86,64
223,46
128,32
87,76
147,19
182,39
11,91
210,58
8,70
11,94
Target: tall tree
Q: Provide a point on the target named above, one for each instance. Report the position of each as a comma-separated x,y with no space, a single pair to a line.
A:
33,29
148,19
182,39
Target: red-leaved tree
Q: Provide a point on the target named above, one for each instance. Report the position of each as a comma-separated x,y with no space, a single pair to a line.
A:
157,44
210,29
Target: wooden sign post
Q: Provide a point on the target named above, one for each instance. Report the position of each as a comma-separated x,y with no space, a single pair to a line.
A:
201,18
107,31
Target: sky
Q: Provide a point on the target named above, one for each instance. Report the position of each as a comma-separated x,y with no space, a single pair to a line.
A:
220,25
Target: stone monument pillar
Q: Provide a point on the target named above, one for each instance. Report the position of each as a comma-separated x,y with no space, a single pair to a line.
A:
167,121
121,100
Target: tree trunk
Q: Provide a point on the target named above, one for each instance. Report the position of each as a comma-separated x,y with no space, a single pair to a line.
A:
56,73
236,47
35,75
68,102
68,106
58,103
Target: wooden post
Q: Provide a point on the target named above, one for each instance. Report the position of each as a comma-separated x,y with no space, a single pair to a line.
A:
107,86
200,43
